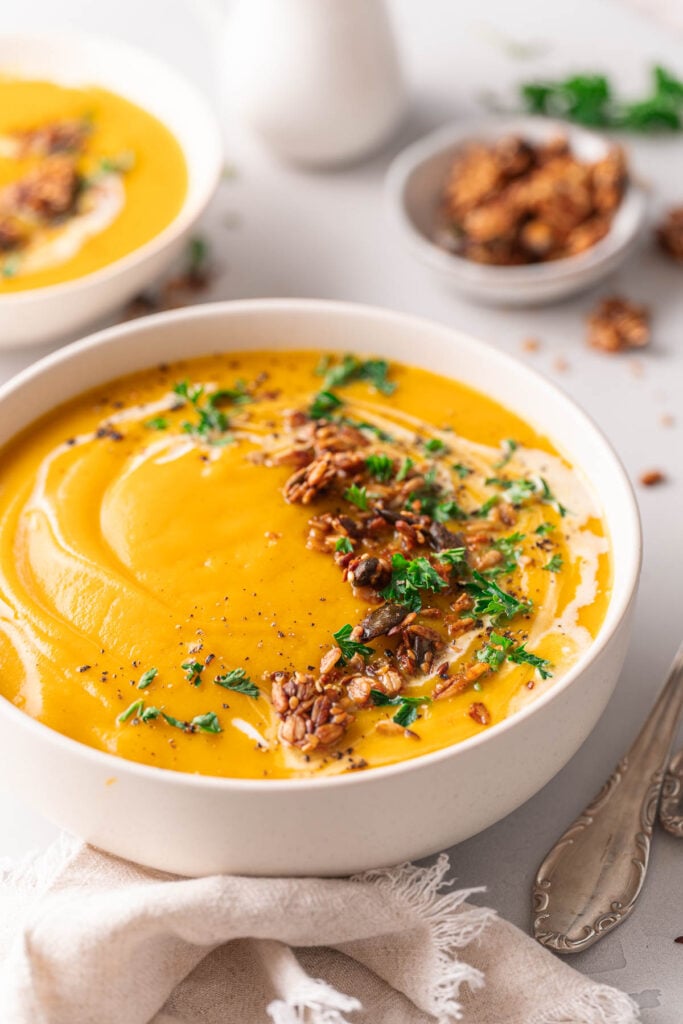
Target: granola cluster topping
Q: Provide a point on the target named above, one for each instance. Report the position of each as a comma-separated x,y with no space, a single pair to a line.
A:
384,514
514,201
670,233
616,325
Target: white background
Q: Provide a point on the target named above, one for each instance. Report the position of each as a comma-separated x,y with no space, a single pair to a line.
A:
282,232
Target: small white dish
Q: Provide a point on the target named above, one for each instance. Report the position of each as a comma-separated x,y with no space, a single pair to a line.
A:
414,185
40,315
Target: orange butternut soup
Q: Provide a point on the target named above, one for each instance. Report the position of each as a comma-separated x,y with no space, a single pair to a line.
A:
85,177
277,564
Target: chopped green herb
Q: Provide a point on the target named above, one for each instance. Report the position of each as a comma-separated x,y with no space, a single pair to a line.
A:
238,680
207,722
323,405
200,723
381,466
193,671
349,647
435,446
408,578
508,547
544,529
132,711
374,371
589,99
357,496
10,267
500,647
230,396
147,677
211,420
157,423
405,468
197,257
344,545
555,564
407,706
452,556
490,599
461,470
548,498
521,656
322,366
509,448
490,503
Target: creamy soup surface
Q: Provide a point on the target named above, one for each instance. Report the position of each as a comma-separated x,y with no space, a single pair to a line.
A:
85,177
284,564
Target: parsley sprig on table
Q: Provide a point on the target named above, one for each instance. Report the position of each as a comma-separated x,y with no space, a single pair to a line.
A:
590,99
407,706
408,578
500,648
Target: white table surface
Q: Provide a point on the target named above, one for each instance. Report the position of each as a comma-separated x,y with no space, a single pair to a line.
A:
283,232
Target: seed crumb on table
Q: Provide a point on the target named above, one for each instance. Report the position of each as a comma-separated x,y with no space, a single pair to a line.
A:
616,324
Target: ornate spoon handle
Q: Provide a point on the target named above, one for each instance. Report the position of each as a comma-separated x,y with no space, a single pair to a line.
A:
591,879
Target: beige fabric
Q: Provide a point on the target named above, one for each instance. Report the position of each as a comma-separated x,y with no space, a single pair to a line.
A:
88,939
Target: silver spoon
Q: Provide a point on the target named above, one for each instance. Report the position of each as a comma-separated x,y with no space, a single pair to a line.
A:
671,804
590,880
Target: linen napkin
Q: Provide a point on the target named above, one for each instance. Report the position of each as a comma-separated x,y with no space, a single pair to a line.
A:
86,938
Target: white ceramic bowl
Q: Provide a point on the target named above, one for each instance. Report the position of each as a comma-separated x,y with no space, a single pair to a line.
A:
414,185
198,825
39,315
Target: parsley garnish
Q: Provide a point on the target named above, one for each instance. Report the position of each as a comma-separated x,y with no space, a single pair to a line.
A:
409,578
519,490
555,564
407,706
193,671
490,503
589,99
501,647
210,419
509,448
508,548
452,556
238,680
200,723
147,677
543,529
344,545
461,470
157,423
405,468
381,466
323,405
350,647
357,496
490,599
132,711
435,446
374,371
434,502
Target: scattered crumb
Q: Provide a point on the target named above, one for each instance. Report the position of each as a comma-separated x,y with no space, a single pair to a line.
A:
530,345
679,938
667,420
652,477
560,364
616,324
111,781
670,233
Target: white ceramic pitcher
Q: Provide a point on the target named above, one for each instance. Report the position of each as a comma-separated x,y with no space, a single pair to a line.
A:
318,80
